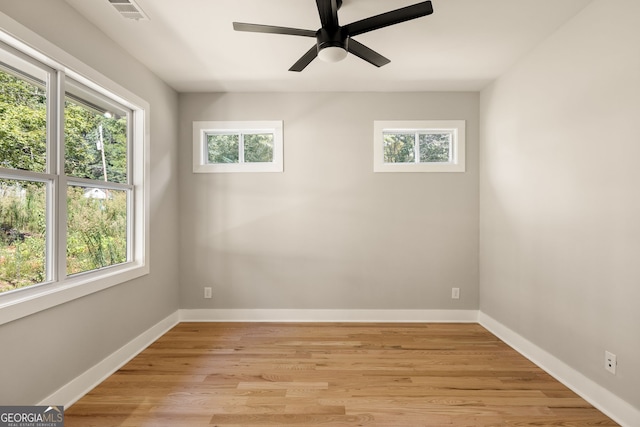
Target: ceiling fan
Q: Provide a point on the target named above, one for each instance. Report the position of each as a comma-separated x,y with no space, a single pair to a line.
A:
333,40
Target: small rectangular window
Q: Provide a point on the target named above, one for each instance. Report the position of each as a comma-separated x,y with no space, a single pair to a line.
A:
237,147
419,146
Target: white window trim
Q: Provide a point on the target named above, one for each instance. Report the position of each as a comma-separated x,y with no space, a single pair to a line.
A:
36,298
200,130
458,145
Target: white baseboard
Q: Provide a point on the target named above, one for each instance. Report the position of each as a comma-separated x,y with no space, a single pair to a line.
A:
291,315
81,385
617,409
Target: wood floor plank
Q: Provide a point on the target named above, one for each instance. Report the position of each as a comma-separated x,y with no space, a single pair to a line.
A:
331,374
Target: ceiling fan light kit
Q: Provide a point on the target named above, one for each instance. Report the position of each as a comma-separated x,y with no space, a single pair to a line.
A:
333,41
332,54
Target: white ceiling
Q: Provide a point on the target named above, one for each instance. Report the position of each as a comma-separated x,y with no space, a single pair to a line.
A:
464,45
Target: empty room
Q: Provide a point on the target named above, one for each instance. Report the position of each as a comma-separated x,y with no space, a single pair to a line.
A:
329,212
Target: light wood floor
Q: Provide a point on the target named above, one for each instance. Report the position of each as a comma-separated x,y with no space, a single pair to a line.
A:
268,374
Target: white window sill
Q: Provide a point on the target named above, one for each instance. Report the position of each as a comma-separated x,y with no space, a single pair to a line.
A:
25,302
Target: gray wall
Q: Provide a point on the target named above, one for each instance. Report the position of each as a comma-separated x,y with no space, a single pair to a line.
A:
560,205
328,233
42,352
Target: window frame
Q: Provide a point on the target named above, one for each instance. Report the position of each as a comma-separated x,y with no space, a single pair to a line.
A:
200,146
60,289
458,145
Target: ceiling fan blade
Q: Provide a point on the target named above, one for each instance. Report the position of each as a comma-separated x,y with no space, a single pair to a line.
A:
363,52
270,29
389,18
305,60
328,10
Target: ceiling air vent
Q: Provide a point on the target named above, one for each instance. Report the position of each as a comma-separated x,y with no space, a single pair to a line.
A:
129,9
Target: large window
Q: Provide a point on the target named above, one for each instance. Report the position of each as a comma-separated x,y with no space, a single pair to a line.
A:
237,146
419,146
72,181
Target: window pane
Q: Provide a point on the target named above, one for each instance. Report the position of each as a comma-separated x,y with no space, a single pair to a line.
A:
96,228
435,147
399,148
223,148
22,233
23,122
95,142
258,148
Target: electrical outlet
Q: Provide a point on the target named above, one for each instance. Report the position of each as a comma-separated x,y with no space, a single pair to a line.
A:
455,293
610,362
208,292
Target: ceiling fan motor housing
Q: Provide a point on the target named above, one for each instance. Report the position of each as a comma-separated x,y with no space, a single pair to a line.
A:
332,37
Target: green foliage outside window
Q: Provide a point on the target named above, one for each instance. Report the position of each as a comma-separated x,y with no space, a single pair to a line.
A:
433,147
399,148
22,234
258,148
23,124
96,229
225,148
85,132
